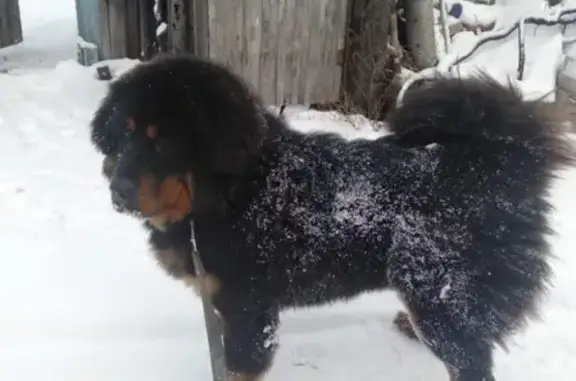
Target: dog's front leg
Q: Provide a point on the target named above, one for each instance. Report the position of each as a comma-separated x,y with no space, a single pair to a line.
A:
249,339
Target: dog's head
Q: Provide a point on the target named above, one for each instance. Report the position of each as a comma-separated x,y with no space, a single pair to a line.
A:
173,129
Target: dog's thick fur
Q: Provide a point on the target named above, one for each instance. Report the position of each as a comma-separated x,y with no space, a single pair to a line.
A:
449,210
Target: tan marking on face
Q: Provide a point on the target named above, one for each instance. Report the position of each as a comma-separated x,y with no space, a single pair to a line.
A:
169,201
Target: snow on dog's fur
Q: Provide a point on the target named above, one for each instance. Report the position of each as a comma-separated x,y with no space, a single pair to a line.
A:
449,210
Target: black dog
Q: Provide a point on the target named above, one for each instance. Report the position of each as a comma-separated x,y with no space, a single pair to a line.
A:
449,210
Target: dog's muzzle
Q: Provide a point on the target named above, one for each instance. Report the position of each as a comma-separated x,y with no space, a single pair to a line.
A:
124,194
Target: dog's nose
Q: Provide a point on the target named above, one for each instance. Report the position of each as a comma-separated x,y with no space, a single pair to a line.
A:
123,191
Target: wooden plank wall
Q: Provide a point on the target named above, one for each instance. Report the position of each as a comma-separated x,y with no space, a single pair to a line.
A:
10,23
127,28
287,49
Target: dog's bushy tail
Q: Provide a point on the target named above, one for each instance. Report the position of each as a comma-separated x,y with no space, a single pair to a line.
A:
502,153
480,109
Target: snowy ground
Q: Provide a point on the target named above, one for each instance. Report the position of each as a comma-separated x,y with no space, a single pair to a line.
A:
80,298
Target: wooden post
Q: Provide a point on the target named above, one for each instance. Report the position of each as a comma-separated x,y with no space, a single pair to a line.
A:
147,28
127,28
367,56
420,34
10,23
88,22
199,26
567,82
117,22
188,24
179,38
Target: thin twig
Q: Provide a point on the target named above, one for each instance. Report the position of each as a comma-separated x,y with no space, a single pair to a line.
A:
445,29
517,25
431,72
521,50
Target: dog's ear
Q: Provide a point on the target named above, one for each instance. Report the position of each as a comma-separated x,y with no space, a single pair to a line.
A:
107,127
215,110
232,132
203,106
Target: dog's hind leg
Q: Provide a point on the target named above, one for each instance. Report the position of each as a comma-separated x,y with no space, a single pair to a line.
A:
466,356
249,340
444,311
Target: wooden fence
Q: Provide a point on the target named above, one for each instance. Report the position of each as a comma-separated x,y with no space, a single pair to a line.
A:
115,29
10,23
291,51
287,49
127,28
